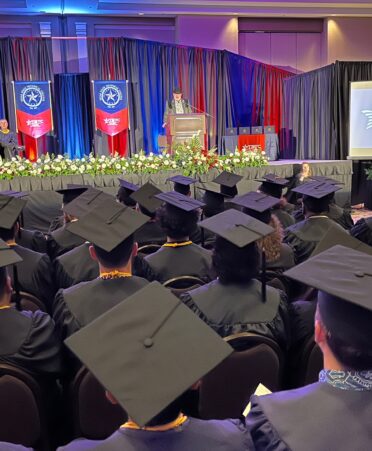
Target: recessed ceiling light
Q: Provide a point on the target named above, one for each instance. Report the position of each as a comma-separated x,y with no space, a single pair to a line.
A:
141,14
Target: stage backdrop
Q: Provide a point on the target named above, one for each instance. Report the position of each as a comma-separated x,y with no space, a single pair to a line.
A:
234,90
316,111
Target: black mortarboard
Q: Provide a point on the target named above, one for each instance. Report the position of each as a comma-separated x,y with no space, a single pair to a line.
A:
7,255
337,235
344,279
322,178
71,192
316,190
236,227
88,200
148,351
180,201
10,210
182,183
213,197
272,185
130,187
228,182
145,197
109,225
258,205
11,193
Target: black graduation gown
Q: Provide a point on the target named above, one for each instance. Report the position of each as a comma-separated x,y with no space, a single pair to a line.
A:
35,275
189,260
28,340
32,239
285,219
304,236
232,309
80,304
339,215
193,435
77,266
61,241
315,417
56,223
150,233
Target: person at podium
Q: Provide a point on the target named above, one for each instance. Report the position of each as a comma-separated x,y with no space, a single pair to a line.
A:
177,105
8,141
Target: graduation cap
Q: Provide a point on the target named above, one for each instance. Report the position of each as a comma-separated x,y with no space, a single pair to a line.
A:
177,90
109,225
180,201
128,186
239,229
7,255
71,192
322,178
213,198
338,236
316,190
272,184
11,193
10,209
228,182
258,205
344,279
145,197
182,183
167,350
86,201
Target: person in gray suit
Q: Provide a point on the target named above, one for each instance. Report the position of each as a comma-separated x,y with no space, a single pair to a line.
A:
334,413
177,105
8,141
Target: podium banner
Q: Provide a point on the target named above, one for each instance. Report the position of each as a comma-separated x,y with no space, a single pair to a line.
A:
32,102
111,106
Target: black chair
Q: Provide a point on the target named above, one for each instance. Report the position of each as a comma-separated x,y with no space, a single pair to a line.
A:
22,406
182,284
94,417
309,366
148,249
29,302
226,390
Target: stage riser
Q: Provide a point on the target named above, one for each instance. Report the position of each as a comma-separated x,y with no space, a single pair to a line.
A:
43,202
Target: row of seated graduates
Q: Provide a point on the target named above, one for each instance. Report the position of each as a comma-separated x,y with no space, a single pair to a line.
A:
229,264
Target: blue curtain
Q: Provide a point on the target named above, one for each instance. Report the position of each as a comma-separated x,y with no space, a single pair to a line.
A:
73,114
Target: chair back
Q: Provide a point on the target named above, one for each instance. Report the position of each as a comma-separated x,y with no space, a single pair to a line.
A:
94,417
183,282
226,390
148,249
309,365
29,302
22,409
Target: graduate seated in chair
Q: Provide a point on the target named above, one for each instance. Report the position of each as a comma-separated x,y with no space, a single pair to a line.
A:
179,256
27,340
110,229
149,351
304,236
124,193
335,413
34,269
236,301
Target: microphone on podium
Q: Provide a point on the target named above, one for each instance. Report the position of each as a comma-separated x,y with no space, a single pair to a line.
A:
198,110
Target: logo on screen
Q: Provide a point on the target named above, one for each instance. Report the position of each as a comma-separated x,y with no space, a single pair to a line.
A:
368,114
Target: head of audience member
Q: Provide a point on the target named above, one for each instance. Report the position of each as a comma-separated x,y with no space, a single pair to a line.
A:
362,230
177,94
344,312
9,235
150,394
177,224
123,196
234,265
69,194
213,199
146,202
119,258
5,287
340,352
4,125
305,170
312,206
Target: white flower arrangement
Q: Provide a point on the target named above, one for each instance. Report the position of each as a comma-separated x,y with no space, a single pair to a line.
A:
188,159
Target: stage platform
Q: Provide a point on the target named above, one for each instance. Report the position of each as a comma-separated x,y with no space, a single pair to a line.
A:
44,203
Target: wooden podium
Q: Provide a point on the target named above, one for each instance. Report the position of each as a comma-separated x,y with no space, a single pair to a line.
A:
183,127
